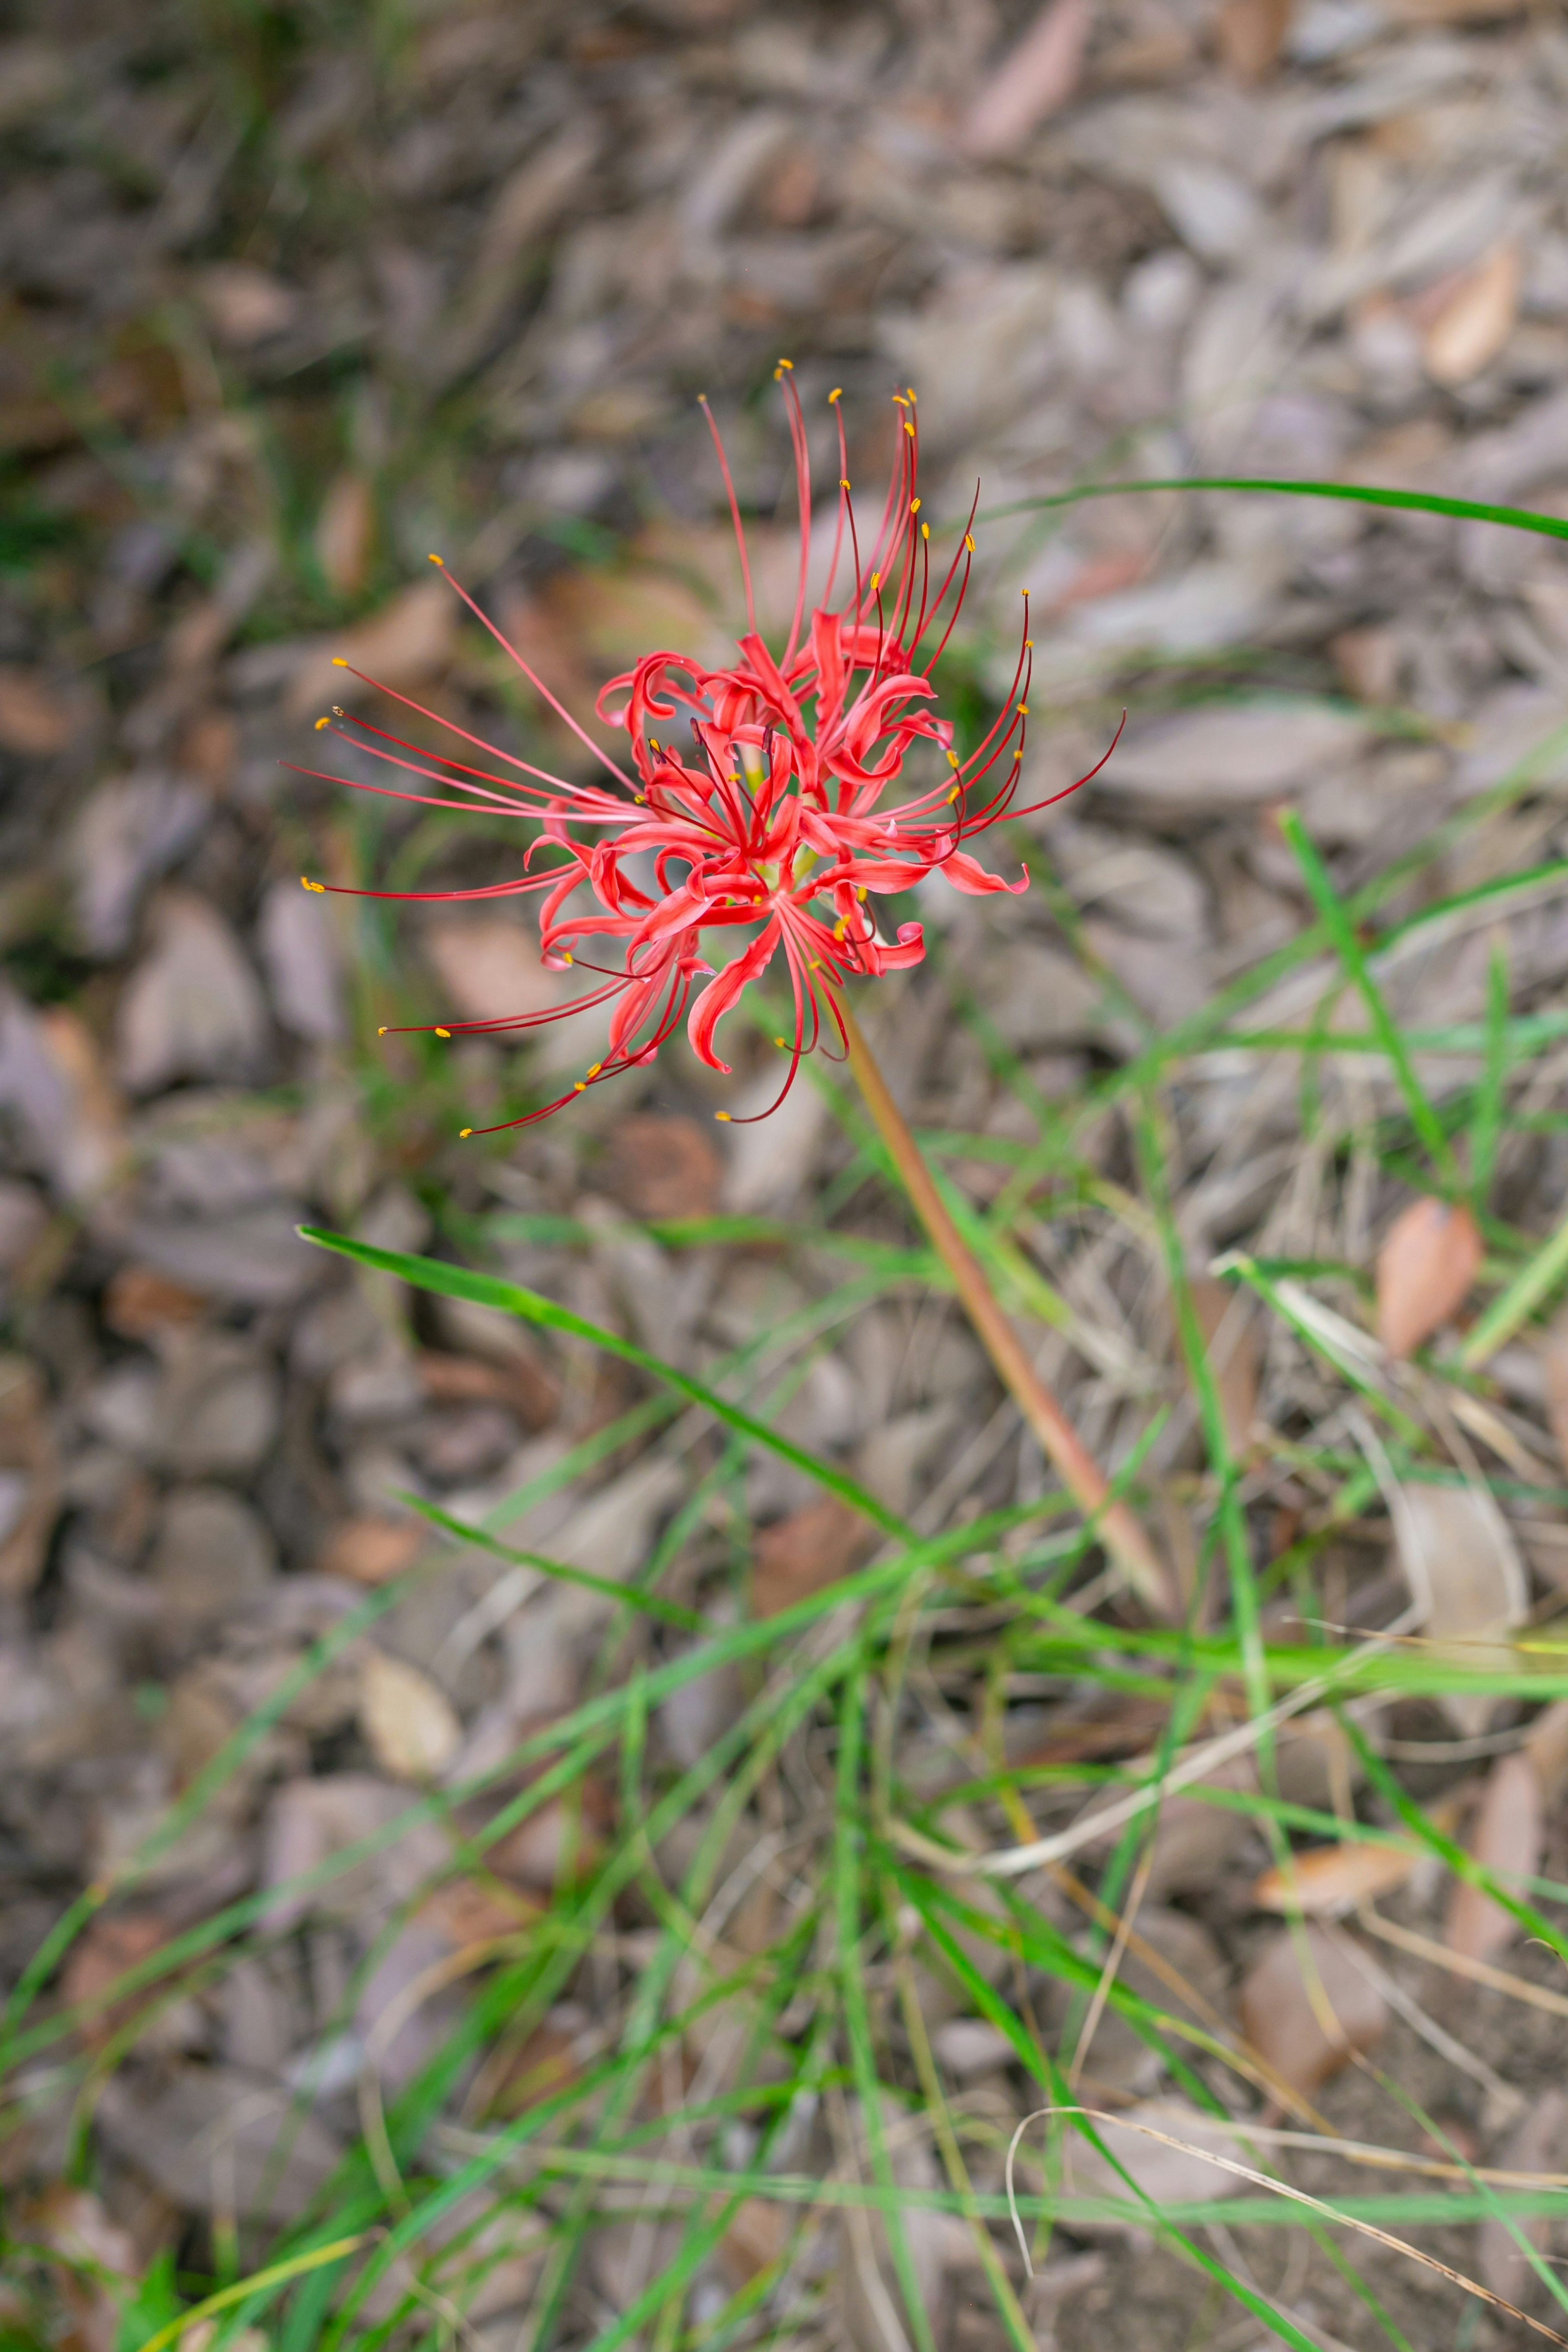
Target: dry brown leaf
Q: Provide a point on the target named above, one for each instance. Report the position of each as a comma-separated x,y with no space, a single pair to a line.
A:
209,749
523,210
111,1946
1118,1725
199,1718
1306,2007
1230,1340
612,617
1476,319
1215,761
77,2225
557,1839
1555,1374
811,1548
1332,1879
1429,1258
404,645
1509,1834
664,1167
467,1911
491,968
372,1550
1250,35
1546,1745
408,1722
1464,1571
54,1083
757,2235
140,1302
1038,75
35,718
1368,663
29,1477
193,1008
345,529
523,1382
244,303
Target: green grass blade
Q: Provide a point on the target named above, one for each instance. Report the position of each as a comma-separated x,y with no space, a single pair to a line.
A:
1533,1283
1365,494
512,1299
1342,932
847,1860
630,1596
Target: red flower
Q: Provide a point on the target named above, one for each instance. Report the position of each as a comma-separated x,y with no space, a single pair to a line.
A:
778,820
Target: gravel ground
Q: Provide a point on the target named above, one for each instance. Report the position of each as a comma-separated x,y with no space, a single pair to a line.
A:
295,295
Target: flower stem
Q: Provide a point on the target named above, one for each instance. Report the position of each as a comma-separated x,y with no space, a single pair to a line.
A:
1119,1531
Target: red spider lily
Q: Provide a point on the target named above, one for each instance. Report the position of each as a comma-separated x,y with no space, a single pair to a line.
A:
779,822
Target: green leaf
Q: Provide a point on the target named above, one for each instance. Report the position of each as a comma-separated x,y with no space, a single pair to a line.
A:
1341,930
512,1299
1363,494
630,1595
155,2306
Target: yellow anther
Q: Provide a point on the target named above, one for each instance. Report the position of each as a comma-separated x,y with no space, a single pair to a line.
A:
722,1116
442,1033
778,1041
1023,710
579,1086
914,506
338,662
441,561
839,927
876,582
1019,752
861,894
463,1133
381,1031
322,722
641,799
786,363
566,959
597,1068
953,794
925,531
1028,644
969,542
911,389
953,760
836,393
843,484
653,742
901,401
908,428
